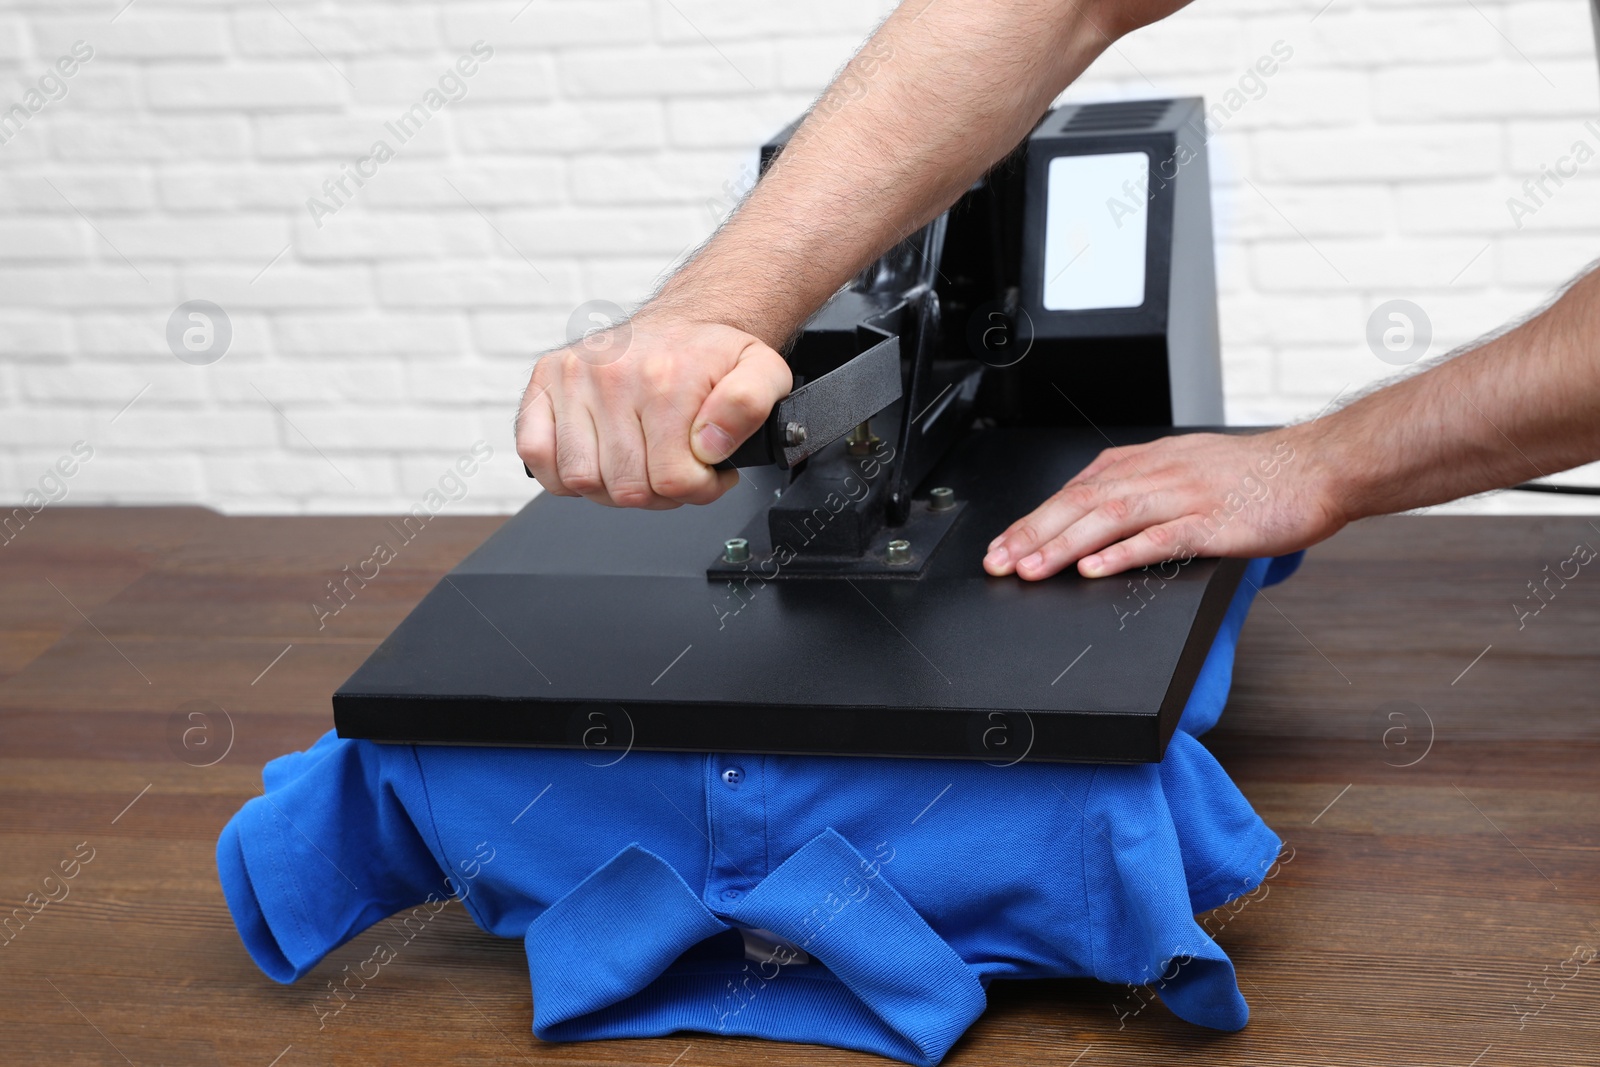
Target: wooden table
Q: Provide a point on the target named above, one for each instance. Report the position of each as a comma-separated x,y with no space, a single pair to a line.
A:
1441,900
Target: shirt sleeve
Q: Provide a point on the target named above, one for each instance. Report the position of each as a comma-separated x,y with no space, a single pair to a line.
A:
328,849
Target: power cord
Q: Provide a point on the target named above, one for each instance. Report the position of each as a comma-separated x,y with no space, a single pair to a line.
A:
1550,487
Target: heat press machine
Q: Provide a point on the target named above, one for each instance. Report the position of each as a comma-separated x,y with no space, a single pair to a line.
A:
835,601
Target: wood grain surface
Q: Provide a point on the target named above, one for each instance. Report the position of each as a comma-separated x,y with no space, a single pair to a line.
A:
1429,752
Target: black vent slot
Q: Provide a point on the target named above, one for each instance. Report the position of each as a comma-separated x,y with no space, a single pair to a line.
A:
1127,115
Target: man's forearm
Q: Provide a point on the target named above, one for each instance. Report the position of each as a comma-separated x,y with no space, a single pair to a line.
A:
1523,405
940,93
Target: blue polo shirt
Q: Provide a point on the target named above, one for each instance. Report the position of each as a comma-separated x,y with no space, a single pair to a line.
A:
861,903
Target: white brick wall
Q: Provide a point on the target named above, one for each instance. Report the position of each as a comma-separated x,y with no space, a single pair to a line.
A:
369,352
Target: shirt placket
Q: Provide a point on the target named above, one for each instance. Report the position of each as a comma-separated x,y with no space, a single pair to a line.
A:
737,817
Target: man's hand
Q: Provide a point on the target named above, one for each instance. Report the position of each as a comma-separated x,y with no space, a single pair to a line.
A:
638,415
1176,498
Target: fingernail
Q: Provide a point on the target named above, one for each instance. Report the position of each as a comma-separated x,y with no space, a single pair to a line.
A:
998,557
715,442
1090,566
1035,560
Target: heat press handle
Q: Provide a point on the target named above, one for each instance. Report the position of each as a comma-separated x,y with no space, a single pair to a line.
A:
824,409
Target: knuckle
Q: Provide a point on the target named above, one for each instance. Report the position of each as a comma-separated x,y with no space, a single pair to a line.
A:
742,401
675,482
659,375
571,370
1081,495
630,494
582,482
1162,537
1118,508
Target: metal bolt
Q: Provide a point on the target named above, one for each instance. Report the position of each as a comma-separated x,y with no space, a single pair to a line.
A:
861,440
899,552
736,550
941,499
794,434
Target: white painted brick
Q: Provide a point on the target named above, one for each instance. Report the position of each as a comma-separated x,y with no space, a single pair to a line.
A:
103,89
1210,44
1323,370
31,239
403,82
1475,208
200,237
139,335
34,426
259,87
345,137
288,284
117,477
498,477
599,231
558,127
23,335
140,34
1541,259
1395,37
1462,316
1293,98
1537,143
13,46
1471,93
808,64
328,381
152,426
344,30
477,284
149,139
391,333
235,188
681,70
627,280
1394,152
546,24
109,384
1573,208
1296,264
27,145
489,383
1263,320
85,286
712,181
241,479
1315,210
399,429
485,185
1551,29
520,333
734,20
1247,371
410,235
88,191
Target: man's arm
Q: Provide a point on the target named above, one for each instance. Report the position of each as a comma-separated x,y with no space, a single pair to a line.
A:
940,93
1524,404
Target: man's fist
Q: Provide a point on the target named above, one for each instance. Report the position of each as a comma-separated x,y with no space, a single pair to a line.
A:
637,416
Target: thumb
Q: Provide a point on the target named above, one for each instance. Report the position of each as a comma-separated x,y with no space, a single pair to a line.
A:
740,402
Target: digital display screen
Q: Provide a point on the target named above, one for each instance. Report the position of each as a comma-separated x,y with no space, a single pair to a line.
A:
1097,209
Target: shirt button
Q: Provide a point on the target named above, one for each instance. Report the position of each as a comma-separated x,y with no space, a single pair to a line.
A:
733,776
730,894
